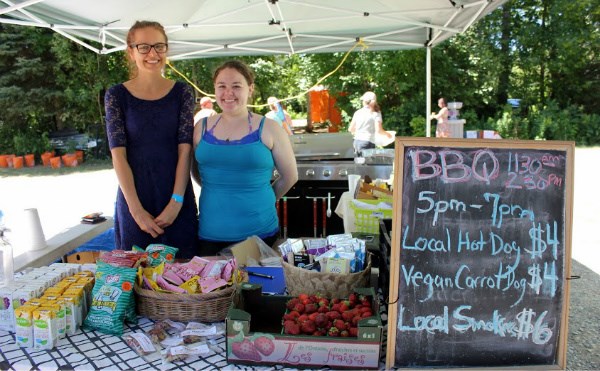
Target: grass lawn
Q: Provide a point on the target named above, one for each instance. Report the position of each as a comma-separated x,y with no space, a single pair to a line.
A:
39,170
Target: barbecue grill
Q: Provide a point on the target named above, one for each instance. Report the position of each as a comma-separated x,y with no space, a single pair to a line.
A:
324,162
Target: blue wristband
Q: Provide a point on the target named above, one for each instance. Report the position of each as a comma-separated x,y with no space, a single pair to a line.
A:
177,198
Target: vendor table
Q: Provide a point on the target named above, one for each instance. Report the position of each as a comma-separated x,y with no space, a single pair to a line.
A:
61,244
92,350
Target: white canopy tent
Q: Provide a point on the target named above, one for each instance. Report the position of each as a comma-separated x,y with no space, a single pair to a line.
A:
214,28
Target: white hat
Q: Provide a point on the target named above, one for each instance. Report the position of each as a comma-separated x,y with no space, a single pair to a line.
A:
272,100
368,97
206,99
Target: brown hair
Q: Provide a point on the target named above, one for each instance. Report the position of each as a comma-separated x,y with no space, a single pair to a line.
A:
239,66
137,26
443,100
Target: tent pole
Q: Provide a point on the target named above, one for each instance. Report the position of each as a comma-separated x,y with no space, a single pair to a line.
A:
428,92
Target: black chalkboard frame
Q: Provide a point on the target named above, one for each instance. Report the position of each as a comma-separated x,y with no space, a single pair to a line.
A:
401,145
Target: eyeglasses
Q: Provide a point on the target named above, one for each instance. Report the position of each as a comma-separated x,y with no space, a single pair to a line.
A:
145,48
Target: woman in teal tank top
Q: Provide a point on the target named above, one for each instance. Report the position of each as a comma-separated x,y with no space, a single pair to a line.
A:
235,154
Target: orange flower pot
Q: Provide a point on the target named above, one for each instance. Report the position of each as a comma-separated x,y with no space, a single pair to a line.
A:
55,162
9,159
79,155
70,160
17,162
3,161
46,156
30,160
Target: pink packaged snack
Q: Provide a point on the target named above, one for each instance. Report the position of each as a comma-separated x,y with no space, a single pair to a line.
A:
162,283
227,270
213,269
172,277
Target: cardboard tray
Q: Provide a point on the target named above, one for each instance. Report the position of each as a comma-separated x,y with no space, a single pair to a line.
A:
257,318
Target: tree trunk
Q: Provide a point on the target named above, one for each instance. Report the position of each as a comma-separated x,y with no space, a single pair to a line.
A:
505,56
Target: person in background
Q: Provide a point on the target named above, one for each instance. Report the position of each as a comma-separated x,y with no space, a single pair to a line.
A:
206,110
366,123
150,123
442,129
279,114
235,153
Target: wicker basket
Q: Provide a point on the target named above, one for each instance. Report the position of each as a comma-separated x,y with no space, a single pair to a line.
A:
208,307
331,285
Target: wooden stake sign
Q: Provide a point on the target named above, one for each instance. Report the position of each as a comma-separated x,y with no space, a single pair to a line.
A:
481,252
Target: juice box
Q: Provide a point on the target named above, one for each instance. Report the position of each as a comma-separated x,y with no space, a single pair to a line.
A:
24,325
79,289
54,291
70,314
75,299
59,317
43,328
7,310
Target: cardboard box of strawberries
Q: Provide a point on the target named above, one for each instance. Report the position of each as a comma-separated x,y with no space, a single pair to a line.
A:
304,331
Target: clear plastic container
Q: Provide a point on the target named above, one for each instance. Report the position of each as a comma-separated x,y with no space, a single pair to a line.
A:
7,272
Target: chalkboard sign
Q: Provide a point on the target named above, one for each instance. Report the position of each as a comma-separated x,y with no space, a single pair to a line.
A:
480,253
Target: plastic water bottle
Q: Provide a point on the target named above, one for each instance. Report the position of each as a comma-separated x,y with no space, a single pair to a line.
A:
7,272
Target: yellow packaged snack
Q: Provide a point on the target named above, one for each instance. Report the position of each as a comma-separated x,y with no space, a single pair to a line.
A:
191,285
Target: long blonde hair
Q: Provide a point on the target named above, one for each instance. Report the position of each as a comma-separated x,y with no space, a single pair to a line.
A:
138,25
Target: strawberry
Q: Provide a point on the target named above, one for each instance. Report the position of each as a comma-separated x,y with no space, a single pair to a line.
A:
353,297
344,306
310,308
335,300
245,350
353,331
313,316
302,318
333,332
321,320
333,315
303,297
323,302
366,314
323,309
299,308
308,327
347,316
291,329
344,333
264,345
292,303
336,307
365,309
339,324
355,320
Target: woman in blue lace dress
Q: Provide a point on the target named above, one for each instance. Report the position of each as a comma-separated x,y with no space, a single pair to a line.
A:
150,123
